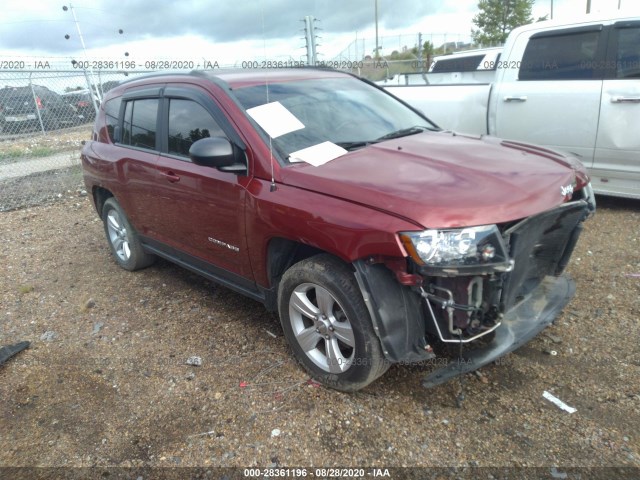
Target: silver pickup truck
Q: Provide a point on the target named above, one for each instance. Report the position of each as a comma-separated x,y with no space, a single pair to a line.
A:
573,87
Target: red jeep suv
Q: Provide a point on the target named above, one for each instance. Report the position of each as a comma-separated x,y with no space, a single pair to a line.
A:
373,234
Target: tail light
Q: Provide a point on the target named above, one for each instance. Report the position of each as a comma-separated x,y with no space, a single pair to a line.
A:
39,103
83,104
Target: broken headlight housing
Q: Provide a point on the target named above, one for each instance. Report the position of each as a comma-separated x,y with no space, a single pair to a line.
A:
458,251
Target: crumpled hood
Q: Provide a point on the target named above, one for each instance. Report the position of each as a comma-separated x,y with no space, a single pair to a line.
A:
444,180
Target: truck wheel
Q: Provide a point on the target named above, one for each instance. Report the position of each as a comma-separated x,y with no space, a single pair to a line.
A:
123,239
327,324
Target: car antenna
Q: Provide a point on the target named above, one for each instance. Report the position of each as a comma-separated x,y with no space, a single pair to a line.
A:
273,186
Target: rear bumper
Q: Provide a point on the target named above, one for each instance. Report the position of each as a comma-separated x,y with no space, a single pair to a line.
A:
523,322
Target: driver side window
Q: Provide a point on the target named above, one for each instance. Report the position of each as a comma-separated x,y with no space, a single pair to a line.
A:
188,122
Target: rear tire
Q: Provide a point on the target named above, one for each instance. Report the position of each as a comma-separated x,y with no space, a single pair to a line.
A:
327,324
123,239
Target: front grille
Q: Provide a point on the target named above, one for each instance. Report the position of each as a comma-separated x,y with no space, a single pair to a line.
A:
540,246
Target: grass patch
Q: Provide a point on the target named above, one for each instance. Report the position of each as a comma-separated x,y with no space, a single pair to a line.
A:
24,289
42,151
14,155
11,154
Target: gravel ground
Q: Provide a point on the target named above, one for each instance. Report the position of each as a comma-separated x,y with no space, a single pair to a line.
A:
106,380
40,188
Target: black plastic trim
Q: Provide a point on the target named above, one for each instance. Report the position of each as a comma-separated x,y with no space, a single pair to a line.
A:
143,92
396,313
207,270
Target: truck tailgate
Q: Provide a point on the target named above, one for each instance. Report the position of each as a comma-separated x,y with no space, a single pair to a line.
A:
462,108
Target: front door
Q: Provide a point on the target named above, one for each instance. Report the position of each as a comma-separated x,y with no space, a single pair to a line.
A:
202,210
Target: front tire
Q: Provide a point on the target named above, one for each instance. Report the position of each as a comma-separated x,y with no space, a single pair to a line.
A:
327,324
123,239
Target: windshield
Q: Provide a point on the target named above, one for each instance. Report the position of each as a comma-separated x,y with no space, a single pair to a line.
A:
344,111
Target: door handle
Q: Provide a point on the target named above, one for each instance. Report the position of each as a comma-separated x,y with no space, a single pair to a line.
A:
172,177
516,99
625,99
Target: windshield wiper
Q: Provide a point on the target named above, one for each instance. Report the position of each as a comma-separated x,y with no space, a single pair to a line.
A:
355,145
403,132
397,134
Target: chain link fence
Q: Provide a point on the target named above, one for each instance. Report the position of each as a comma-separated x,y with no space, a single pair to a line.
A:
45,115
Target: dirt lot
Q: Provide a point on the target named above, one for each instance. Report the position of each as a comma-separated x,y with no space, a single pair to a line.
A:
106,380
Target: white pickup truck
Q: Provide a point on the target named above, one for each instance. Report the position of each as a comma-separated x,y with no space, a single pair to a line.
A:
573,87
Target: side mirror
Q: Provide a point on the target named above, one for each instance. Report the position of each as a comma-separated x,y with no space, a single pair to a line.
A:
217,152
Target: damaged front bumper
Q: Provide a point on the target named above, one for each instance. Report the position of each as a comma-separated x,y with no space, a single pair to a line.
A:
518,326
487,313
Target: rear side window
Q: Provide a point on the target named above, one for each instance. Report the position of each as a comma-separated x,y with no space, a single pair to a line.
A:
561,57
628,55
139,126
188,122
457,64
111,113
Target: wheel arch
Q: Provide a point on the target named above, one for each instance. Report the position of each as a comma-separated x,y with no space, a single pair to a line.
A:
395,310
100,195
282,253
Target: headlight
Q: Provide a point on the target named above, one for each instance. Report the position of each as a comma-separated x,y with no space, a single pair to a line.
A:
462,249
590,198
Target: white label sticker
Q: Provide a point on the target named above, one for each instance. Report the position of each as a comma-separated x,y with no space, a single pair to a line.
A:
275,119
318,154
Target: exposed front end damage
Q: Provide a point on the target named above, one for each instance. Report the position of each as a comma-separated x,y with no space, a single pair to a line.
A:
519,325
491,308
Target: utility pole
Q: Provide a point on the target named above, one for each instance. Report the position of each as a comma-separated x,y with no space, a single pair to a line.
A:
420,51
588,6
84,49
310,36
377,44
551,10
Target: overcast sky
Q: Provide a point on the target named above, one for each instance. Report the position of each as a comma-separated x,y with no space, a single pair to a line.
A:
231,31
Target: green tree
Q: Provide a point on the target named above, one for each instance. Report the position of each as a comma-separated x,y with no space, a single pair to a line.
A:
497,18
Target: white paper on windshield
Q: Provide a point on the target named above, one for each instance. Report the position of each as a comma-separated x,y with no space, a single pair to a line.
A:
318,154
275,119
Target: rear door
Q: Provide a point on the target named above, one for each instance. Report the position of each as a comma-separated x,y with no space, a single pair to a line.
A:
616,166
552,97
137,154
